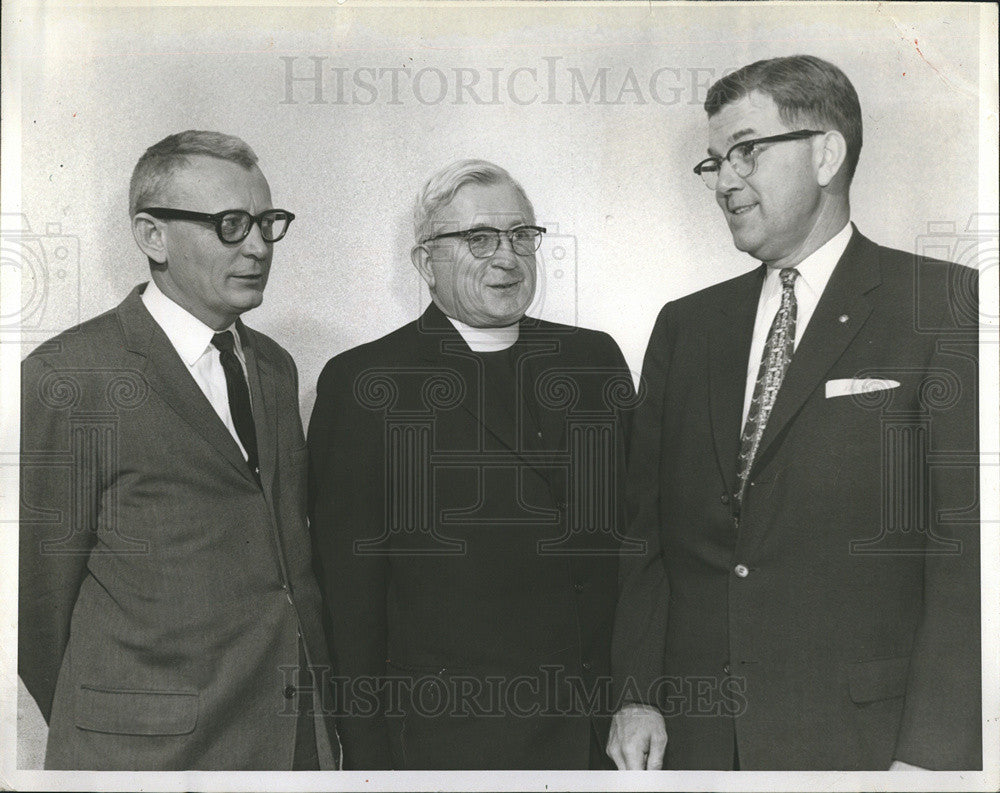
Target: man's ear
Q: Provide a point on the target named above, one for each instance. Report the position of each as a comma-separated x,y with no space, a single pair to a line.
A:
148,233
420,255
830,155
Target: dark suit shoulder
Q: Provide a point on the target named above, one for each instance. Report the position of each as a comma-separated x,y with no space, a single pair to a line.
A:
692,310
936,272
596,343
711,297
395,347
944,294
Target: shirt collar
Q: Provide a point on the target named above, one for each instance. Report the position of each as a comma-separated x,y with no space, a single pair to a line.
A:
189,335
487,339
815,270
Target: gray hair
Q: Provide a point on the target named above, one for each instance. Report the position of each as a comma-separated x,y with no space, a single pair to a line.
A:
440,189
160,160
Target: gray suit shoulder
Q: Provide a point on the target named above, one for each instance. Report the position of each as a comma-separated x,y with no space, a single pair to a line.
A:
94,338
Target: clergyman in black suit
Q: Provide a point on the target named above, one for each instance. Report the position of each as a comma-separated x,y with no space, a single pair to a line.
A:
464,504
805,474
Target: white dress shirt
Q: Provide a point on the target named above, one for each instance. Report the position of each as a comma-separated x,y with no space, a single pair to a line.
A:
487,339
814,273
192,339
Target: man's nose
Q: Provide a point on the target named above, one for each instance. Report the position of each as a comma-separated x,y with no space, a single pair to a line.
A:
728,180
505,256
254,244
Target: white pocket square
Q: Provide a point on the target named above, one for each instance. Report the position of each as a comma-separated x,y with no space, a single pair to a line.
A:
858,385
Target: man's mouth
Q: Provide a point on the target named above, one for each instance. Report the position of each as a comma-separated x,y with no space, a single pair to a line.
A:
741,210
505,286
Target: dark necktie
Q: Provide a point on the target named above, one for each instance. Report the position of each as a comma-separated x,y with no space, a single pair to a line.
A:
773,365
239,398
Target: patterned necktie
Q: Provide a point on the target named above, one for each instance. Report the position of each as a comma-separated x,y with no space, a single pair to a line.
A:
773,365
239,398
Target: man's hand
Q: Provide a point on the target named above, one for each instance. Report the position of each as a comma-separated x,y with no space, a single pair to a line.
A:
638,738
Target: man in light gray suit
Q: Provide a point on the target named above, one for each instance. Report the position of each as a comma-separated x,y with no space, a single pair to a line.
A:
169,617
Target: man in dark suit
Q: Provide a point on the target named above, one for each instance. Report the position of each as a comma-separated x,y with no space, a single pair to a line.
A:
464,502
168,609
804,474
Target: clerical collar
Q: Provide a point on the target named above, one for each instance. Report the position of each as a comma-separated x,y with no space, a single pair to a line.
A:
486,339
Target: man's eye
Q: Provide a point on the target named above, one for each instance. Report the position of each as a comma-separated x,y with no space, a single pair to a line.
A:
479,238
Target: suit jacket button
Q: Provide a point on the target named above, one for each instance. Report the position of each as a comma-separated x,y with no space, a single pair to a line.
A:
741,570
578,587
586,666
289,692
725,668
724,498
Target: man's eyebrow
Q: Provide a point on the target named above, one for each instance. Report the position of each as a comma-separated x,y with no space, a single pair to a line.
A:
742,133
734,138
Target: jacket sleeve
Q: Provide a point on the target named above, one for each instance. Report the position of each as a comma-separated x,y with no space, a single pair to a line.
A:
639,638
346,508
58,524
941,727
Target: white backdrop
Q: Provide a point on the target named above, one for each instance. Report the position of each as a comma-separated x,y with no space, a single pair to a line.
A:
608,166
596,109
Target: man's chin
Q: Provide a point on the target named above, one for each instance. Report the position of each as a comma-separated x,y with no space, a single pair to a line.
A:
747,245
492,319
248,300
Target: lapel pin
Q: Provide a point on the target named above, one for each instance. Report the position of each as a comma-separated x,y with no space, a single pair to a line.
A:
843,318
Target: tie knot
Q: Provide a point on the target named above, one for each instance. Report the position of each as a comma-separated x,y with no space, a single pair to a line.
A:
788,276
223,342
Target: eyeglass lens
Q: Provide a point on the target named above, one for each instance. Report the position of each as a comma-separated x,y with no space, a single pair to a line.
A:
485,242
235,226
742,158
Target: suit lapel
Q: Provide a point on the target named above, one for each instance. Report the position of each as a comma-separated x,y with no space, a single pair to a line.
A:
167,375
263,394
729,342
441,343
531,365
842,310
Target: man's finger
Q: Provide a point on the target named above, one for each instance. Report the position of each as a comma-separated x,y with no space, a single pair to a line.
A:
657,746
614,751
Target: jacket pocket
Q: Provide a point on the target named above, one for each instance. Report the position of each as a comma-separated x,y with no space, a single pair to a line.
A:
878,679
135,712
